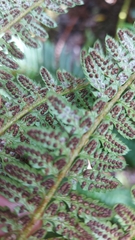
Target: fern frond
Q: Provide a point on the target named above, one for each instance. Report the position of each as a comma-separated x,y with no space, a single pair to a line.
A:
50,132
125,215
76,124
25,20
104,230
19,10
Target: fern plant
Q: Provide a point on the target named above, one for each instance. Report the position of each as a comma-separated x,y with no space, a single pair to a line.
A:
50,132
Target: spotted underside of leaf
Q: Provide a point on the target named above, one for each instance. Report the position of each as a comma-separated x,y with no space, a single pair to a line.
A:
51,132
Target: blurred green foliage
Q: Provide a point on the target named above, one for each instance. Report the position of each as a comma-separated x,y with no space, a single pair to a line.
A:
66,60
